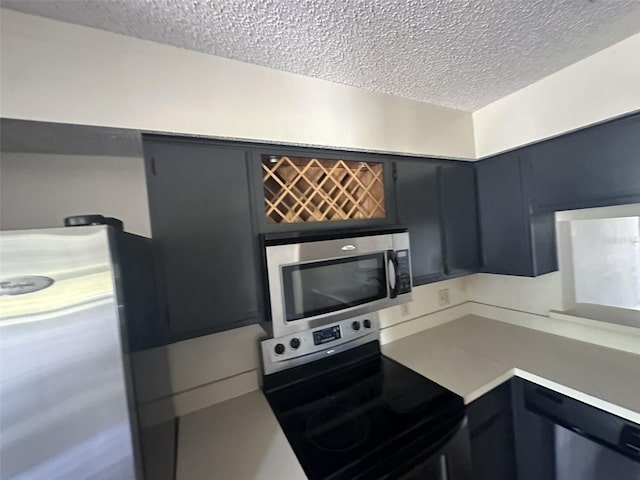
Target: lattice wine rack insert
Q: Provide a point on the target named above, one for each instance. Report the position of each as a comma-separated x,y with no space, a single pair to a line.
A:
300,189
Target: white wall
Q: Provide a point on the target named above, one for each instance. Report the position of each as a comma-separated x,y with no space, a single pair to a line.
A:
52,71
600,87
38,191
537,295
58,72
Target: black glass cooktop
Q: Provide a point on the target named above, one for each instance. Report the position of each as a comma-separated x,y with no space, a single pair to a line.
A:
360,414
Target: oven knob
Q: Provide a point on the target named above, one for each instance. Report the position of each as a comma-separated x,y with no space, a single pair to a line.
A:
355,326
279,349
367,323
295,343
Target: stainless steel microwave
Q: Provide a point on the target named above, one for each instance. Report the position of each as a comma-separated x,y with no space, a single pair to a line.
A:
315,282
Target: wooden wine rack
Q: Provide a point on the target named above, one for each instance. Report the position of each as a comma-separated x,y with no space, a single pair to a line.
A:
300,189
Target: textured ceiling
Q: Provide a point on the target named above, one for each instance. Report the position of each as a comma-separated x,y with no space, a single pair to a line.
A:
457,53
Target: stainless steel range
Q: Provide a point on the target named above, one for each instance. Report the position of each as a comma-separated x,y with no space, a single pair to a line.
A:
349,412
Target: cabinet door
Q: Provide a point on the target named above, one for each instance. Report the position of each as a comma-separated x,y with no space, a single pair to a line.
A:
504,218
594,167
492,435
418,209
202,230
459,219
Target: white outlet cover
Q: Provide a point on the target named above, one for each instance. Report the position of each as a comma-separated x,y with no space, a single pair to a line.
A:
443,297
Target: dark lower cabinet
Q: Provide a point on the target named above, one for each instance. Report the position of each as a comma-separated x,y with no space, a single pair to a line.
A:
206,250
492,437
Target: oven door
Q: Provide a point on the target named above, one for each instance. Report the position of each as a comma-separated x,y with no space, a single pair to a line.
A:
452,462
311,284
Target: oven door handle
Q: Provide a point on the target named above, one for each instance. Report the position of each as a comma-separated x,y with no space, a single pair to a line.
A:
392,273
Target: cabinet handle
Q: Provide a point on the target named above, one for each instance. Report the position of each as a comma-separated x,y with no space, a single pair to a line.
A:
630,439
634,448
550,396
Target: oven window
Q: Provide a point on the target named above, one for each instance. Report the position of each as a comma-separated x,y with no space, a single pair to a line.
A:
321,287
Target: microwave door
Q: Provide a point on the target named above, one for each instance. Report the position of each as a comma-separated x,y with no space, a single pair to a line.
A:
319,288
330,298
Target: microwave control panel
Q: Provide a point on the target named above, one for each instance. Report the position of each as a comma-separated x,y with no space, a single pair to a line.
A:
403,271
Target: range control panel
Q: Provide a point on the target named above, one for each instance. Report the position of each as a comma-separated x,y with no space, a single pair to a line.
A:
301,347
325,335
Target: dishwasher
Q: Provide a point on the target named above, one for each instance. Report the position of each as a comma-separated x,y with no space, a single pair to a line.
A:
560,438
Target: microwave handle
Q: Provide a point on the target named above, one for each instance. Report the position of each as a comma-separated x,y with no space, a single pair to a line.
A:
392,273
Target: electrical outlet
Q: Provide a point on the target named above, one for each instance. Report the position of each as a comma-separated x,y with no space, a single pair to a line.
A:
443,297
404,309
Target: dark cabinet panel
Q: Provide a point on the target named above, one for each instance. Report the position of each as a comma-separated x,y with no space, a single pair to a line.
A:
543,243
436,200
518,192
504,228
459,218
514,241
417,200
202,230
492,437
597,166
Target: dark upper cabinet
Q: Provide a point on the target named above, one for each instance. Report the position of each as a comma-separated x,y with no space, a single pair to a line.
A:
491,431
203,235
504,232
594,167
519,191
514,241
459,218
436,200
417,201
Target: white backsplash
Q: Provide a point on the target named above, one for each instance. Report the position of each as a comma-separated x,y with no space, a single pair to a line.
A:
537,295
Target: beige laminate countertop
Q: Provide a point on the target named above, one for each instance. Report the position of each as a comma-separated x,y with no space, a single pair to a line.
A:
241,438
472,355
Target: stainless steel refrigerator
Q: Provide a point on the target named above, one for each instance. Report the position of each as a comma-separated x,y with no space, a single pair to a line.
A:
74,304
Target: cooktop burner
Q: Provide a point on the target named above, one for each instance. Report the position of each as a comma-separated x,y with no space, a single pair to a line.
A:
337,428
345,414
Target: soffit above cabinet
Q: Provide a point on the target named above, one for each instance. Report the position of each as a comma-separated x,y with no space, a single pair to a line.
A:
24,136
459,54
